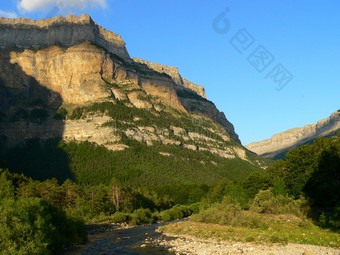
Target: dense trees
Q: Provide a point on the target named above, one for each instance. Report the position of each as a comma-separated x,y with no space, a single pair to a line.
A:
33,226
31,218
312,170
138,166
309,177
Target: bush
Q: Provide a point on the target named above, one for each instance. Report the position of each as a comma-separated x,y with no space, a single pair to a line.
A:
165,216
31,226
227,213
267,202
246,219
60,114
142,216
119,217
6,185
255,182
178,212
219,213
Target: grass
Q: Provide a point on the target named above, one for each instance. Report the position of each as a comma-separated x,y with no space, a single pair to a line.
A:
281,229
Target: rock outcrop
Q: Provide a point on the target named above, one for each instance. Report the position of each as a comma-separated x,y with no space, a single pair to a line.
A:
74,73
31,34
192,96
198,105
280,143
174,74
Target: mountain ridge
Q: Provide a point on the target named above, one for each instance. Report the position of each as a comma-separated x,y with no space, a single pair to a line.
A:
65,31
280,143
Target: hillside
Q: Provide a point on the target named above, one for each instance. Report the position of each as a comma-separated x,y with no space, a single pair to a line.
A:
75,105
279,144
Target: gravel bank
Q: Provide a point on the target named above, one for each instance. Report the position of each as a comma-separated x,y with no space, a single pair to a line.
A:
189,245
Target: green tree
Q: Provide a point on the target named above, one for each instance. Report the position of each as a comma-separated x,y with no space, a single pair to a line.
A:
255,182
32,226
323,187
48,190
7,188
71,193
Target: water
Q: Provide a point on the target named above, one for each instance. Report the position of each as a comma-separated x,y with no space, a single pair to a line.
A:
123,241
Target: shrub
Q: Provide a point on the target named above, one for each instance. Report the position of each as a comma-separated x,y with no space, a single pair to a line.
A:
119,217
178,212
77,113
142,216
246,219
6,185
275,238
165,216
220,213
60,114
194,208
255,182
227,213
31,226
267,202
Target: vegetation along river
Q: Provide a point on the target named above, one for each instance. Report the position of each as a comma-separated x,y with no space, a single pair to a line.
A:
134,241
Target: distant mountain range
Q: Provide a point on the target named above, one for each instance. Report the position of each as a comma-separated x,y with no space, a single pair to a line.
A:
279,144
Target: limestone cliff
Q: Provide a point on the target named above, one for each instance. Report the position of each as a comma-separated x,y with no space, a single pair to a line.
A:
196,105
31,34
192,96
174,74
74,73
48,65
280,143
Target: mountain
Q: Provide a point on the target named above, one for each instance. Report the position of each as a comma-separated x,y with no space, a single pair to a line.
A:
67,84
279,144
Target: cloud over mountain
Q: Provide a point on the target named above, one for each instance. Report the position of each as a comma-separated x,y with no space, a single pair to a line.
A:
37,5
7,14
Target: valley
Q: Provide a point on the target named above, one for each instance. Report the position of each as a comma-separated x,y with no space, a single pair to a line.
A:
90,136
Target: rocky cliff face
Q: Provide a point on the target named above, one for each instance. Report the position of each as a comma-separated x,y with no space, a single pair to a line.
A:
192,96
174,74
68,63
31,34
74,72
280,143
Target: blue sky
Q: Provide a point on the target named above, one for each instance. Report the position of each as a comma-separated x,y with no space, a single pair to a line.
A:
303,37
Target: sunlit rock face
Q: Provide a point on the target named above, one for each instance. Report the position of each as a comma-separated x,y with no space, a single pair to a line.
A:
37,34
282,142
73,61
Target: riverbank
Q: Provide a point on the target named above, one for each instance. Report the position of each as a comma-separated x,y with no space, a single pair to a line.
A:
188,245
160,239
92,229
124,239
205,238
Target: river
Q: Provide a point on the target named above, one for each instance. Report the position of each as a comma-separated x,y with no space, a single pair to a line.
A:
133,241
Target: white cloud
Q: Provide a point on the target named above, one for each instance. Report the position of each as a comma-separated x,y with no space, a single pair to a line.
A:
43,5
11,15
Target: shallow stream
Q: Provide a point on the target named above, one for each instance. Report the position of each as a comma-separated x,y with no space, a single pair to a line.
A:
133,241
